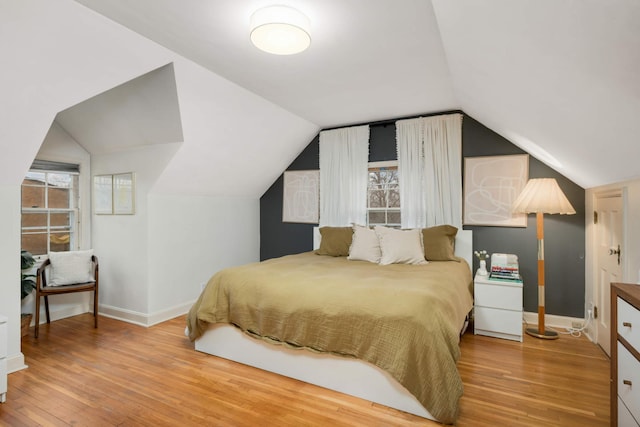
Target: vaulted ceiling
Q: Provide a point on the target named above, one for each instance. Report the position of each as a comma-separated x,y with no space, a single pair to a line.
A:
559,79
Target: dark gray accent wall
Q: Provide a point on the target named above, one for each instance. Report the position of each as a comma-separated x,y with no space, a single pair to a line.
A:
564,234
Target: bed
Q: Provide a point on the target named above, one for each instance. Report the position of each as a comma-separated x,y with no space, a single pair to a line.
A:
333,325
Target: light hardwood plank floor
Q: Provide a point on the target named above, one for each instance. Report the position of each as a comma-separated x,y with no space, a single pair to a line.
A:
126,375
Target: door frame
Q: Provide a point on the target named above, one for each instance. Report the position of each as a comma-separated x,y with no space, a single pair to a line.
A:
591,289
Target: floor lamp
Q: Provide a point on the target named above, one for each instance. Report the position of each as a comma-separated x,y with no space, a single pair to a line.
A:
542,196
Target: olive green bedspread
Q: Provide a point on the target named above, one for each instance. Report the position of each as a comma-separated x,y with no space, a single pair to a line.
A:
405,319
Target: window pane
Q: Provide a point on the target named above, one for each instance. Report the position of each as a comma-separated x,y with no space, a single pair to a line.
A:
32,197
394,198
393,217
35,243
61,219
34,220
60,180
34,178
59,198
377,199
60,241
377,218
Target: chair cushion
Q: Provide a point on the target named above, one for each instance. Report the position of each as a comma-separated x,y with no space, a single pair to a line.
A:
68,268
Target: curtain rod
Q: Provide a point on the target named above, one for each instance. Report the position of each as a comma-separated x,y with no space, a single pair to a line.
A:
393,121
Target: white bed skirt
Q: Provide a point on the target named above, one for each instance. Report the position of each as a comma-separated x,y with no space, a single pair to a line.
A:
346,375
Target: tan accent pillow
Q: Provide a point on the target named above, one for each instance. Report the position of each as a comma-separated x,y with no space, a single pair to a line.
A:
439,243
400,246
335,241
365,245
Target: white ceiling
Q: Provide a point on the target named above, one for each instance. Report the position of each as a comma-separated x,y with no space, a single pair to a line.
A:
147,113
560,79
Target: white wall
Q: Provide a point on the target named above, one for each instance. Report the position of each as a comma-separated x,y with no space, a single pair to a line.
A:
153,263
191,238
120,241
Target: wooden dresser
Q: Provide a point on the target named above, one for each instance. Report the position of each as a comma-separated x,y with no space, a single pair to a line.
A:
625,355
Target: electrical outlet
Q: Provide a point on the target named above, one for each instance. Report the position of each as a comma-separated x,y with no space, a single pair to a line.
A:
576,324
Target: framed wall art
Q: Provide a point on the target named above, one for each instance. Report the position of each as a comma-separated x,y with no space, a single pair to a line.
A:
124,194
301,196
114,194
103,194
491,185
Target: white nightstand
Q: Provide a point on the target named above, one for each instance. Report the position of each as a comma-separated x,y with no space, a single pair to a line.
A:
497,308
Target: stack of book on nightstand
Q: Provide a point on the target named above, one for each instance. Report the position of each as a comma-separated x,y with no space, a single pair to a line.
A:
505,267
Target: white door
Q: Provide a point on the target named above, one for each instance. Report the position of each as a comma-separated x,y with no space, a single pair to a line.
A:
609,257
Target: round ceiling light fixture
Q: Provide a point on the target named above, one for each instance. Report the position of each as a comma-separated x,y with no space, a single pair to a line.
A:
280,30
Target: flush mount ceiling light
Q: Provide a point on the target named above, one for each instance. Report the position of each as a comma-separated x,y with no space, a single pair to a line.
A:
280,30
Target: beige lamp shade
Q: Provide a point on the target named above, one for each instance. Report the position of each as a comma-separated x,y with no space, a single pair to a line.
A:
542,195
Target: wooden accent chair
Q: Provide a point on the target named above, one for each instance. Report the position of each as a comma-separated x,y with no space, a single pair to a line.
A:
42,290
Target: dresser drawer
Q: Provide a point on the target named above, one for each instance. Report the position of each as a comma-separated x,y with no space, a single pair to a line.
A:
496,320
629,370
629,323
498,296
624,416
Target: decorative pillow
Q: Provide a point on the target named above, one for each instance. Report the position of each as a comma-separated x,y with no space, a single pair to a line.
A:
400,246
365,245
70,267
439,243
335,241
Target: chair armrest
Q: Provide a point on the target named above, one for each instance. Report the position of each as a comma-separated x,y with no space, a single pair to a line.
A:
41,277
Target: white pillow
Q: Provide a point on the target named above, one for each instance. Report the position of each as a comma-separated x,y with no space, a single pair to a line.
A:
364,245
70,267
400,246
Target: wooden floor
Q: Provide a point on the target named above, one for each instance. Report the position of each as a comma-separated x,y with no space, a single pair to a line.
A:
126,375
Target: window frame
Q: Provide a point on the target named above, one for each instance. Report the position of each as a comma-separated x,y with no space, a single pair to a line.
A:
74,211
388,164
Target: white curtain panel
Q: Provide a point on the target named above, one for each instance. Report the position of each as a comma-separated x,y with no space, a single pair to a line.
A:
409,141
430,194
344,157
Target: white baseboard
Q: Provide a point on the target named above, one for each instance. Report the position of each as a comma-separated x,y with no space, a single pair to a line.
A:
135,317
554,321
144,319
15,363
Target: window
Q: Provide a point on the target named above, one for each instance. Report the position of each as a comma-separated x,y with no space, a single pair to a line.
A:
50,211
383,194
